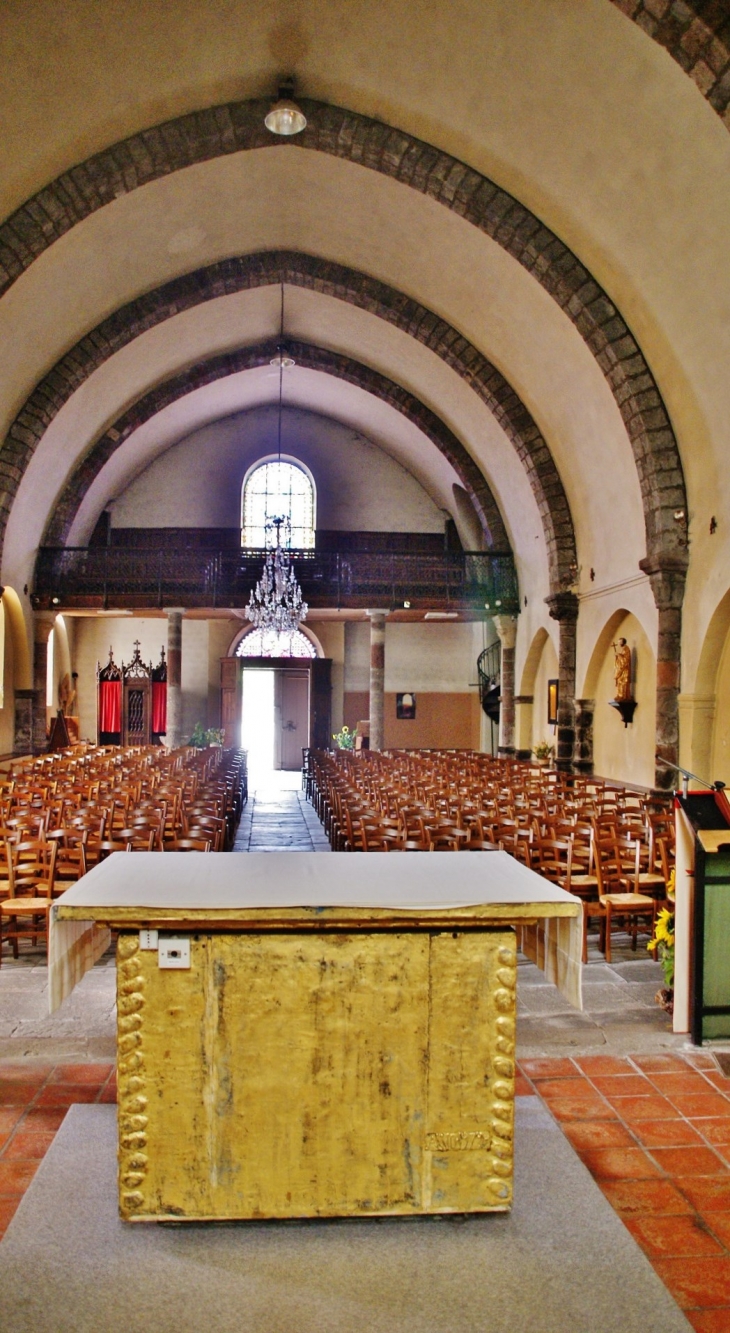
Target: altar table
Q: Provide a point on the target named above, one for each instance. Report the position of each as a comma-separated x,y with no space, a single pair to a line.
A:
314,1035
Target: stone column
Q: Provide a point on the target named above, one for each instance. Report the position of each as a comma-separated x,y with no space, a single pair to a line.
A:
43,622
23,735
563,607
174,676
583,749
667,576
506,627
377,677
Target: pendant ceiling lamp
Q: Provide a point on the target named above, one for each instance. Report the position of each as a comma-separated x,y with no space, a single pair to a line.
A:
285,116
276,602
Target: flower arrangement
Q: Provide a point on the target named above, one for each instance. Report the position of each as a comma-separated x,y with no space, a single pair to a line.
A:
200,738
345,739
663,942
543,752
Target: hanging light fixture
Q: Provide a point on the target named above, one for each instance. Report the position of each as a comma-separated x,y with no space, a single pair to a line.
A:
285,116
276,602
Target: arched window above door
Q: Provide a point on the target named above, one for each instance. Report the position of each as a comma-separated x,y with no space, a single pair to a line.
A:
273,643
278,488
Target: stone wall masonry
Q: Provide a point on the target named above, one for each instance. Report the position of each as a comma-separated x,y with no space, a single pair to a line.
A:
238,126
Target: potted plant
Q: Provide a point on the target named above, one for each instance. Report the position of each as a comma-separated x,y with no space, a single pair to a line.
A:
543,753
200,739
344,739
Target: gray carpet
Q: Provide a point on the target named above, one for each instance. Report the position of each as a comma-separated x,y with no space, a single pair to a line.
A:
561,1262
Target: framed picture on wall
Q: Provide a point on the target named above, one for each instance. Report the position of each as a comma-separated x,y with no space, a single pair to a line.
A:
405,707
553,698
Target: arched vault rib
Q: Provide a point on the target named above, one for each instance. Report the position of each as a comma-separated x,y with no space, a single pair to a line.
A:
313,358
334,280
238,126
697,36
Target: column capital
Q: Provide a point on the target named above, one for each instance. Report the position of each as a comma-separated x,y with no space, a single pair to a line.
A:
506,627
374,612
667,576
562,606
174,610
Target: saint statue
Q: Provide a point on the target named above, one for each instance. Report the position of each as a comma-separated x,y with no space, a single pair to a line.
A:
622,671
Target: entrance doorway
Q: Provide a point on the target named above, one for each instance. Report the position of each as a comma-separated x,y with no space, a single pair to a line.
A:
274,718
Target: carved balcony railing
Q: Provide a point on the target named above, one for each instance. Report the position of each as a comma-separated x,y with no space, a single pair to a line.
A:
124,577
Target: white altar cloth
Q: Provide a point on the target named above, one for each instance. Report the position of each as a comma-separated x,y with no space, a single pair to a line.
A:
201,883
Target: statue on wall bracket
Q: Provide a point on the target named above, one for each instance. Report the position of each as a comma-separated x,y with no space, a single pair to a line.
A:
624,701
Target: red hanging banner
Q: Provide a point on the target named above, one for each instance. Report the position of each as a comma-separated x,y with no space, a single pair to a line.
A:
110,706
159,707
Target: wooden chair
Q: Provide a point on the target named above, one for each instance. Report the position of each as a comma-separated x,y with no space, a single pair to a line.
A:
31,874
616,891
187,845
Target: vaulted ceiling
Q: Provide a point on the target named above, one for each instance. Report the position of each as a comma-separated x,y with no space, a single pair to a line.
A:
503,241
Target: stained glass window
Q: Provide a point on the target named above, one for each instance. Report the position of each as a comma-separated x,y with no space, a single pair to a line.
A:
278,490
271,643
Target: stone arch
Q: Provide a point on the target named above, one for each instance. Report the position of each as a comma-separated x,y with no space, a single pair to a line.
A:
617,752
697,36
700,708
238,126
532,661
15,621
305,354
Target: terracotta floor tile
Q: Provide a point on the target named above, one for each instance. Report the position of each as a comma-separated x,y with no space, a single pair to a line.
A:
24,1071
598,1134
702,1104
557,1068
619,1163
523,1087
43,1118
666,1133
716,1129
707,1194
635,1198
622,1085
700,1060
580,1108
66,1094
690,1083
565,1087
688,1161
28,1145
672,1237
719,1223
719,1081
7,1212
604,1064
109,1094
77,1074
9,1117
703,1283
710,1321
632,1109
16,1093
15,1177
661,1063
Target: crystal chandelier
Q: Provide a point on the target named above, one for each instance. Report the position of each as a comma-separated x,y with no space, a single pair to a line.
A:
276,602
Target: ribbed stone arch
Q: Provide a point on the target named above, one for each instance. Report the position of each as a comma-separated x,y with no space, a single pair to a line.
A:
274,267
697,36
237,126
247,358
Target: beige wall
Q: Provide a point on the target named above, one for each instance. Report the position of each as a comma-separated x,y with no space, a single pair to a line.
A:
443,720
197,483
547,669
626,753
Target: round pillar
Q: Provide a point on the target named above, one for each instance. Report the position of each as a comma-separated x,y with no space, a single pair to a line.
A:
377,678
174,676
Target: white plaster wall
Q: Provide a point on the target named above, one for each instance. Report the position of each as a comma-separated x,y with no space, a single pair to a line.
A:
431,657
197,483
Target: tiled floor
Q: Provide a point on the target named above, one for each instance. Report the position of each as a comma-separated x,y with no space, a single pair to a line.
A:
654,1131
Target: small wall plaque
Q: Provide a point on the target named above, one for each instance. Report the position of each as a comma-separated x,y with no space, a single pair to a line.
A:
405,707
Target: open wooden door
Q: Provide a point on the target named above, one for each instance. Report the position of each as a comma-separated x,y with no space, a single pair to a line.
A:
320,704
231,700
292,717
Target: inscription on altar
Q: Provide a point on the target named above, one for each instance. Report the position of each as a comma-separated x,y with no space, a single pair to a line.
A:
464,1141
